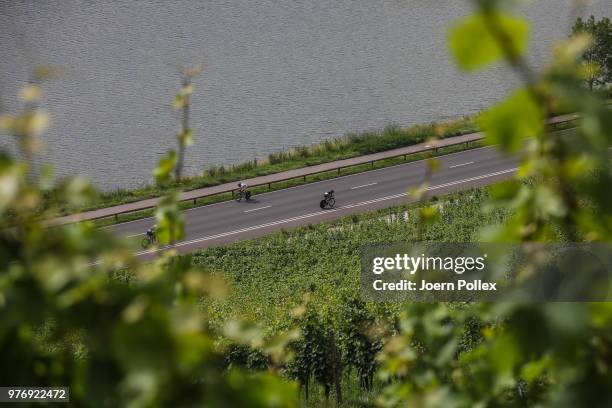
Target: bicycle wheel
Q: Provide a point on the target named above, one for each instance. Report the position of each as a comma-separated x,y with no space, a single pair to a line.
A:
145,243
322,204
332,202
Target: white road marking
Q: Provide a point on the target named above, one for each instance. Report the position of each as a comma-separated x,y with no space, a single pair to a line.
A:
135,235
462,164
257,209
452,183
300,217
365,185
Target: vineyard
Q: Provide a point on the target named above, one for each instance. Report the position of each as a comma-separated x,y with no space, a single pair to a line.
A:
269,275
308,278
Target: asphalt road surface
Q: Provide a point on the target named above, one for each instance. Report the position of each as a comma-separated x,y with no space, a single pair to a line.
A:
232,221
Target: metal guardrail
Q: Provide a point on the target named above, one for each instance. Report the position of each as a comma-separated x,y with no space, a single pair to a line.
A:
302,172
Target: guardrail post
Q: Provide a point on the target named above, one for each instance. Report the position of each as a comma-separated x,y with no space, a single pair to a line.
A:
194,201
372,163
338,170
304,178
269,186
116,217
405,156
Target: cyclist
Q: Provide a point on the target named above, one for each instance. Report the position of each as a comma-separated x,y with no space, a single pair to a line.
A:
328,200
242,192
151,233
150,237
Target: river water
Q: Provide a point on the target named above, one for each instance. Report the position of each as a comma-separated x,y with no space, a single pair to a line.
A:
277,73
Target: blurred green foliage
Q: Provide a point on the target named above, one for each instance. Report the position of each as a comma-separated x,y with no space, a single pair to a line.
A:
474,45
77,309
182,102
526,355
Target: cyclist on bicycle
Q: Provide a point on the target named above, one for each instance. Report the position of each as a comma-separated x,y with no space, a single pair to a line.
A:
328,200
150,238
151,233
243,192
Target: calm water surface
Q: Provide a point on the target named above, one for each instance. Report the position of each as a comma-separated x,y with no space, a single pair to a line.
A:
278,73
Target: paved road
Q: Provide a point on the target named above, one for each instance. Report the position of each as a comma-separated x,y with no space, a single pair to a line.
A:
284,175
226,222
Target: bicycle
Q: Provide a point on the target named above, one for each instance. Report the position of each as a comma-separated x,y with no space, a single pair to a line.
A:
148,241
328,200
243,194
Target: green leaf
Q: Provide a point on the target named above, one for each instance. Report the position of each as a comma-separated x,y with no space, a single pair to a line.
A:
11,176
505,190
47,174
186,90
170,220
474,41
534,369
242,332
429,215
164,167
79,192
185,138
549,202
512,121
433,165
504,356
179,101
7,123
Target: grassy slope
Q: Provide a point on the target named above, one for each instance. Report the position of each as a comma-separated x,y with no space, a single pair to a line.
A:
269,275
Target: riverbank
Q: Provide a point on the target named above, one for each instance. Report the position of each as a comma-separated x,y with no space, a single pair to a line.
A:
348,146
